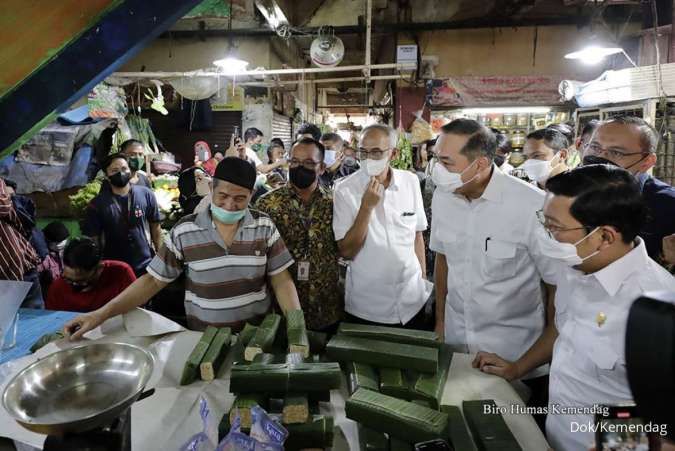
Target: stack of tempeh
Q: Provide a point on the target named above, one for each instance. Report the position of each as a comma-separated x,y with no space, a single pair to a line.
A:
288,386
208,355
396,379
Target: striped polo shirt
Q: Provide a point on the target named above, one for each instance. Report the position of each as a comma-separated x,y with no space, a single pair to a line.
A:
225,286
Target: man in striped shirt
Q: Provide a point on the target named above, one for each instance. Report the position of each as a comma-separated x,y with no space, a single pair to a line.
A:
18,258
229,254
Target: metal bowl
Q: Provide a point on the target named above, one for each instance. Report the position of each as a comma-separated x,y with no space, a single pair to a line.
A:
78,389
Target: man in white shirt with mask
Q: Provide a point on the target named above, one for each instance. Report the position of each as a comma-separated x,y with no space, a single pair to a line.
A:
489,269
546,152
591,219
378,222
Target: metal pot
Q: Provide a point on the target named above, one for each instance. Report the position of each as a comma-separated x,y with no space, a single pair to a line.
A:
78,389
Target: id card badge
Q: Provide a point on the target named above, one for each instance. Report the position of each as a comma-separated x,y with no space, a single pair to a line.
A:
303,271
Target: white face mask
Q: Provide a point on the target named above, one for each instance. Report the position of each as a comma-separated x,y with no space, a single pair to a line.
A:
329,157
449,181
202,186
536,169
564,252
376,167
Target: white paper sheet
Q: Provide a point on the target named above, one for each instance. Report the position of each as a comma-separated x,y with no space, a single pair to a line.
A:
12,294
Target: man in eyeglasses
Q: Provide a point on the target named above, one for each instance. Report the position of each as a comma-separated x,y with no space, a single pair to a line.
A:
631,143
88,282
378,220
302,210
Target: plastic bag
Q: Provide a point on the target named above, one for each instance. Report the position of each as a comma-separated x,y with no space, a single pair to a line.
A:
266,434
421,131
207,439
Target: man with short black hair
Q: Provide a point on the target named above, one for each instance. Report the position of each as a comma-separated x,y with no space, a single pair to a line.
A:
545,151
489,267
134,150
591,221
378,220
585,137
231,256
88,282
124,218
303,212
334,157
256,152
308,130
631,143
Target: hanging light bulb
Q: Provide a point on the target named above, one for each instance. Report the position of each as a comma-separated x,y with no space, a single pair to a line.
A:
594,54
231,65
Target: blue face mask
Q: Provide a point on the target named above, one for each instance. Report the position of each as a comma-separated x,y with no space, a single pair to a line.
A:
226,216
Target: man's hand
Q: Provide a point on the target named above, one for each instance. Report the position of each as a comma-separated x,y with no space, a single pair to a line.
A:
77,327
493,364
373,194
669,249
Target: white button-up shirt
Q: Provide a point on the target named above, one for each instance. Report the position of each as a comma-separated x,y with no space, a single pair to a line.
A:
495,301
384,281
588,366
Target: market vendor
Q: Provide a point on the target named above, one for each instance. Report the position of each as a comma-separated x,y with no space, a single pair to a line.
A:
233,258
134,150
303,212
88,281
378,219
124,218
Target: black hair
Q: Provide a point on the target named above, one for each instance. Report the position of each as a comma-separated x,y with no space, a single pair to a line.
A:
310,141
10,183
129,143
110,158
650,367
277,142
590,127
552,138
334,137
252,133
503,142
603,195
482,141
82,253
649,138
566,130
55,232
311,129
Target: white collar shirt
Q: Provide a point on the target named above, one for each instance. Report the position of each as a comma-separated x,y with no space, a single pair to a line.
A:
588,366
384,281
495,302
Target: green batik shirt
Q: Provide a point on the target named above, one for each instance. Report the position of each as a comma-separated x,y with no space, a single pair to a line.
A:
307,231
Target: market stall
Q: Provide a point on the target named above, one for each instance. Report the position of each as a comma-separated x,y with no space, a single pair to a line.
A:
178,409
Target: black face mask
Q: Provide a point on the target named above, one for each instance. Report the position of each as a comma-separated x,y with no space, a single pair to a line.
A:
499,160
592,159
120,180
301,177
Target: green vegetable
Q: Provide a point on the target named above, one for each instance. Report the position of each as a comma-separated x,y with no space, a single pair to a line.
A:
404,160
81,199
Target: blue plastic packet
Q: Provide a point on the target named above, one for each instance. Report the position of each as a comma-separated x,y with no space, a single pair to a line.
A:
236,440
203,441
265,430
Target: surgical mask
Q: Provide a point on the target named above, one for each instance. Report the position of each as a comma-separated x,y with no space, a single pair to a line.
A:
536,170
58,247
376,167
226,216
350,162
301,177
448,181
120,180
329,157
136,163
564,252
202,186
499,160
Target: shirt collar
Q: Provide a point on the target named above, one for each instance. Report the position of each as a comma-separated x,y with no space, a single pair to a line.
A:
612,276
494,189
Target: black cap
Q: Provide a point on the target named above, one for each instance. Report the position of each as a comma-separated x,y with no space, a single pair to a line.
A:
56,232
236,171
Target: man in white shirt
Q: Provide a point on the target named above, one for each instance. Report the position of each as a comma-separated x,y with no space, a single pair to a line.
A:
253,139
591,220
378,221
489,269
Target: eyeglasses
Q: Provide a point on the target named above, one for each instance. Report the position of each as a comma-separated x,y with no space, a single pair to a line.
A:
307,164
596,149
551,229
373,154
